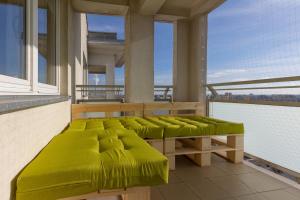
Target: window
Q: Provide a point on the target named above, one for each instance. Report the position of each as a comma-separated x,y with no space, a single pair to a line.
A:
24,68
46,42
12,38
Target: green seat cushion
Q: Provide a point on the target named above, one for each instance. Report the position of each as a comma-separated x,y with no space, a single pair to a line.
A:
181,127
68,165
136,164
221,127
79,162
143,127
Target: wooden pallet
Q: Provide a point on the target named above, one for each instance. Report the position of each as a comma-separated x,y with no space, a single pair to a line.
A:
157,144
199,148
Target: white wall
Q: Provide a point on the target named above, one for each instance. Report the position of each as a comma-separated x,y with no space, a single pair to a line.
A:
23,134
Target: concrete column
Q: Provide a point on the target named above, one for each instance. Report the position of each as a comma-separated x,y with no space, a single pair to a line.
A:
139,57
190,47
110,78
110,74
181,61
198,58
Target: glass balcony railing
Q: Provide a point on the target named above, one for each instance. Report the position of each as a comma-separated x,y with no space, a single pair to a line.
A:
270,111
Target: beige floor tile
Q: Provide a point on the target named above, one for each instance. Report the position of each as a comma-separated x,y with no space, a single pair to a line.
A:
178,191
183,162
231,168
173,178
155,194
294,191
279,195
251,197
261,182
208,190
195,173
232,185
215,159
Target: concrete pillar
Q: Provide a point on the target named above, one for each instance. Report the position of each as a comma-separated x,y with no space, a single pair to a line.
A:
190,46
139,57
181,61
110,74
198,58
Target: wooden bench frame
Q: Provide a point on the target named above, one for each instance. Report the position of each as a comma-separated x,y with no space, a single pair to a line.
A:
197,148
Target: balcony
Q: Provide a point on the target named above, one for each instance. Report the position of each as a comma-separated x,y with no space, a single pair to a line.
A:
38,109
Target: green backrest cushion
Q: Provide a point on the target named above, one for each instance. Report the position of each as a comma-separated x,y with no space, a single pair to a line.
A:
221,127
179,127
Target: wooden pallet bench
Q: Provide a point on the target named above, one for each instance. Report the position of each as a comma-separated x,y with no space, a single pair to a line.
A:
197,148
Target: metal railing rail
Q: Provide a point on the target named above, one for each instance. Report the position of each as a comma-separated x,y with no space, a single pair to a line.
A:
100,93
216,97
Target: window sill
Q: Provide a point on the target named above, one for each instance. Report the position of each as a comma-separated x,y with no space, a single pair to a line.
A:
15,103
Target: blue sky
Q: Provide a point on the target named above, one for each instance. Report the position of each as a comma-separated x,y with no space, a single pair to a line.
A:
247,39
253,39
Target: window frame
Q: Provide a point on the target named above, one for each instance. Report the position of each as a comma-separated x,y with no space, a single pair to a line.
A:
30,85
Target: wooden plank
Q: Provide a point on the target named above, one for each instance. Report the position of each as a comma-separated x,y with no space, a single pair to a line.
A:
171,160
77,109
157,144
169,150
236,142
175,106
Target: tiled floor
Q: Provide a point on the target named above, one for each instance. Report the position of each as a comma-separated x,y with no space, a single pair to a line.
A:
221,181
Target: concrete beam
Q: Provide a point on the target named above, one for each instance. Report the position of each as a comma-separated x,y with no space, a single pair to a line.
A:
118,7
172,14
205,7
149,7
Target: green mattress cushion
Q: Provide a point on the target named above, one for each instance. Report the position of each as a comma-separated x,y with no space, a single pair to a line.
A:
181,127
221,127
79,162
68,165
143,127
136,164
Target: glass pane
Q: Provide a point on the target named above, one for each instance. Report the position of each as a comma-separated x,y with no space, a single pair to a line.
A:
47,42
12,38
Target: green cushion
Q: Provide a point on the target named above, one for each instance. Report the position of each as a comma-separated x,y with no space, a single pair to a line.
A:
180,127
137,164
221,127
89,124
79,162
67,166
143,127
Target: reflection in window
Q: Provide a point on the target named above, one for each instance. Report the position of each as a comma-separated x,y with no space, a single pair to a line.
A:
47,41
12,38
